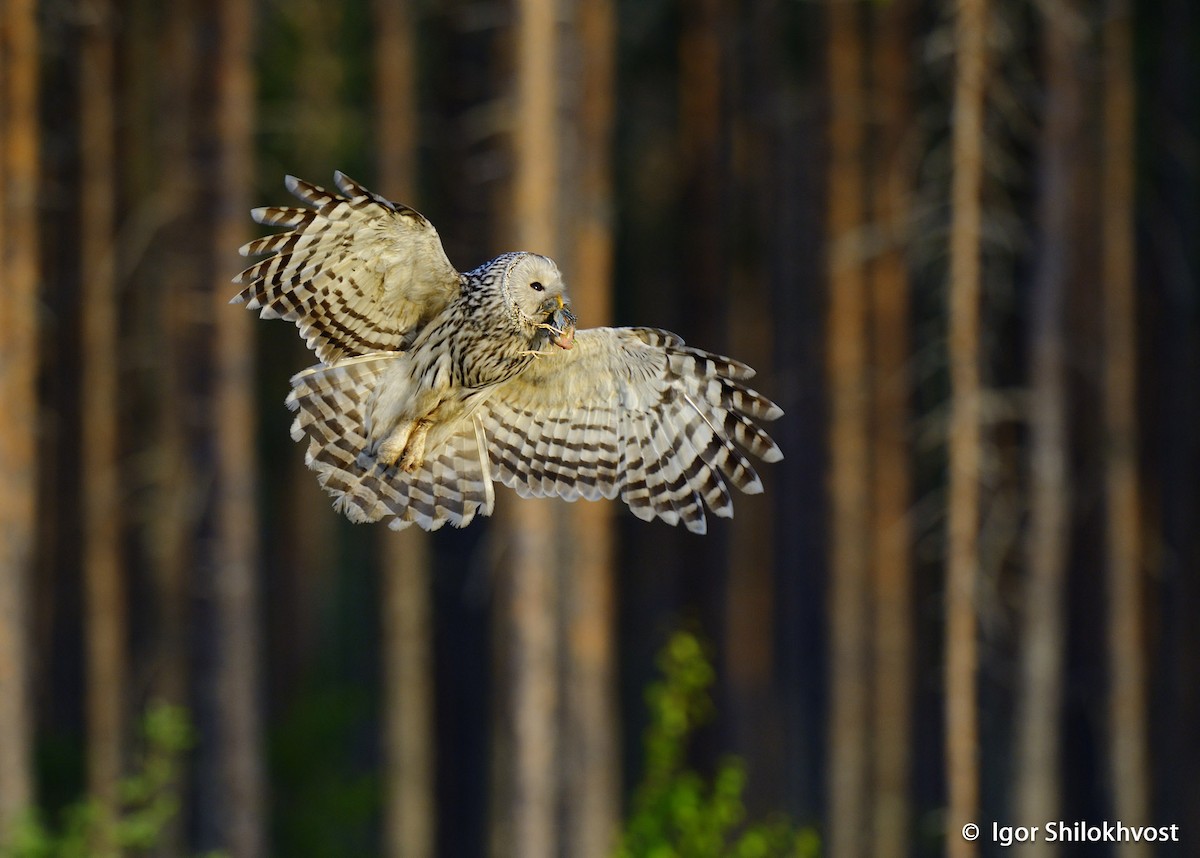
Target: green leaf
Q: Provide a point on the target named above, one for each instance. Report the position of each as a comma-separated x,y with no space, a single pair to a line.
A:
675,811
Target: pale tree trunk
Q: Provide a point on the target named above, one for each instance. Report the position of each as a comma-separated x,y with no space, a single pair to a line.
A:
846,357
18,372
1129,767
524,801
236,519
104,582
410,810
965,442
590,749
891,193
1039,704
410,820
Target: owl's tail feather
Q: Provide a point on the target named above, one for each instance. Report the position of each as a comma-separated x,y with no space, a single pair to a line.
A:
452,486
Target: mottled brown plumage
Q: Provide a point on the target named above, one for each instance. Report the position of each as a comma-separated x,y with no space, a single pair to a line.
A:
435,383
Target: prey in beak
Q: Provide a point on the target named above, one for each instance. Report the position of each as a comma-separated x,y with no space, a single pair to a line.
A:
560,322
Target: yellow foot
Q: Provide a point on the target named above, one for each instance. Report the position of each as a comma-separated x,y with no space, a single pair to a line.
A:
414,451
394,445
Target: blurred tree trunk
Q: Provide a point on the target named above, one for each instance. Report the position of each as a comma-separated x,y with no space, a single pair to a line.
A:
1038,774
749,628
524,804
702,201
173,278
1169,264
590,748
104,581
965,444
846,356
797,253
1129,771
236,550
315,112
893,619
410,813
18,374
702,152
155,273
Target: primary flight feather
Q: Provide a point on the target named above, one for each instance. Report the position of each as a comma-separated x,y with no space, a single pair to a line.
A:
434,383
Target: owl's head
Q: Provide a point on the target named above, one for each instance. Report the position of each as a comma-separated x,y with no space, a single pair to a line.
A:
536,288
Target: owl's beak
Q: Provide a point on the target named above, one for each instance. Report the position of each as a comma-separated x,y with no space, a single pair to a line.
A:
561,322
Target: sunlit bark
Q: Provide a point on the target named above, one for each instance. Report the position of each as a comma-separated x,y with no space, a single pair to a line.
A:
410,817
18,373
965,453
591,754
891,192
846,356
104,581
524,807
237,550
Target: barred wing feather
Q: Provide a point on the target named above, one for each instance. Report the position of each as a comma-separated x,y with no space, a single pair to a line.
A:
452,486
634,413
355,272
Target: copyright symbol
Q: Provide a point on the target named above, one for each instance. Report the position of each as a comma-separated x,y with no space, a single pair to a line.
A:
970,831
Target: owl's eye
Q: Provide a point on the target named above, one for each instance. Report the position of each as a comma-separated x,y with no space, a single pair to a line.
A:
537,287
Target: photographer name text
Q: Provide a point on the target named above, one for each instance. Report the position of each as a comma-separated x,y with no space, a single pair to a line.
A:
1083,832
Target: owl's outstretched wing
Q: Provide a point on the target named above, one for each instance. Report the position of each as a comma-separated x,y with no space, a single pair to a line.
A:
452,485
634,413
356,273
628,412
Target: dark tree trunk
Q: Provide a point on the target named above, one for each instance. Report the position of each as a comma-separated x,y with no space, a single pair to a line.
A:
1129,766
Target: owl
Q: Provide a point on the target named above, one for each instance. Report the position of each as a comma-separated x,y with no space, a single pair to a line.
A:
433,384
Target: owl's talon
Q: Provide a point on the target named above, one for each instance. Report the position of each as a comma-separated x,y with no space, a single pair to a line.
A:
394,446
414,451
405,447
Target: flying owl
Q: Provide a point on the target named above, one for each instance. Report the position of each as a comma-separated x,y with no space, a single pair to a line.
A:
433,383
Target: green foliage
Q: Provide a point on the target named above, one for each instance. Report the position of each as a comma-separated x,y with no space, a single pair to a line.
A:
676,813
325,795
149,799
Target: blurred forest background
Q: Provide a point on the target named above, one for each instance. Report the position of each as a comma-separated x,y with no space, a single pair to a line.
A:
960,241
